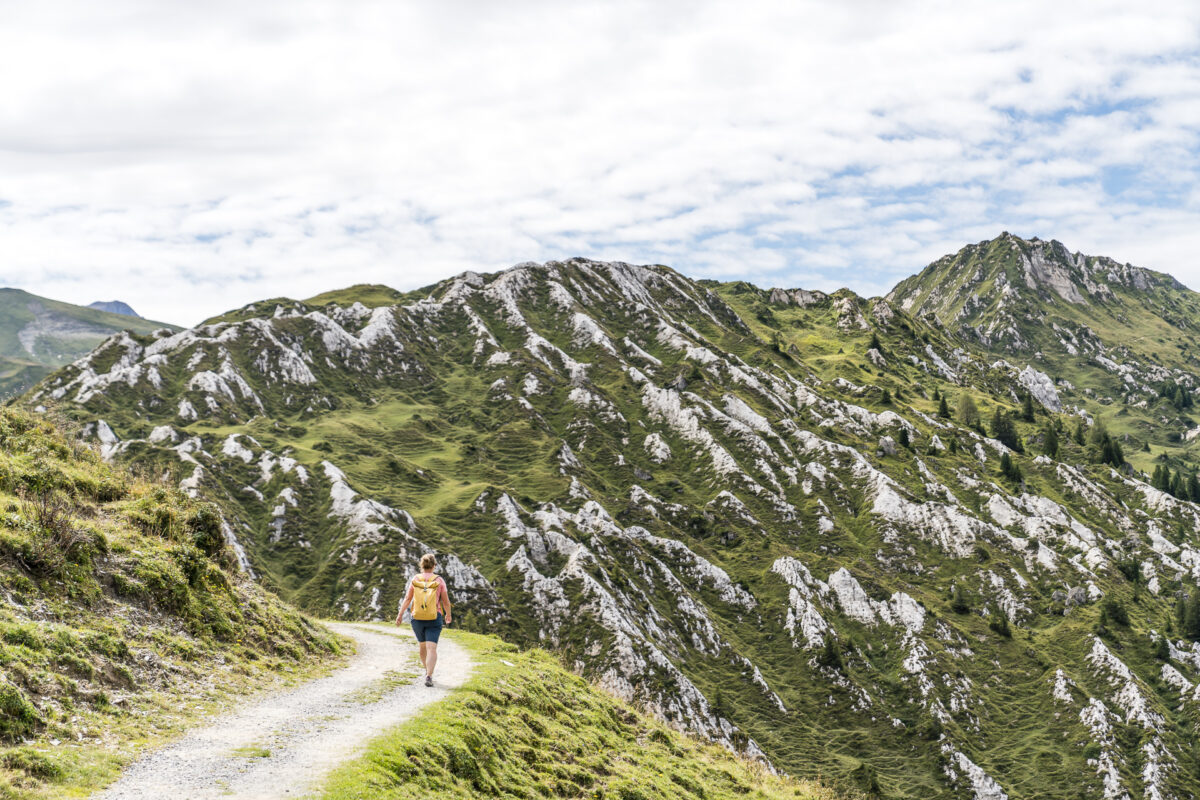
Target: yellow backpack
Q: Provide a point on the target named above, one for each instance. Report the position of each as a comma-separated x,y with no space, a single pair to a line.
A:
425,597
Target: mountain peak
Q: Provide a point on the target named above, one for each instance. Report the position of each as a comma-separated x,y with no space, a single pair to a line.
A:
1005,290
114,307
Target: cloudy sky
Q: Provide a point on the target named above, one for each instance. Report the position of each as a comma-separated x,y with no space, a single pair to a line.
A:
191,157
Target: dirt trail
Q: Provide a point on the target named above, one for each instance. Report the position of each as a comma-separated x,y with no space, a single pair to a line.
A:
280,746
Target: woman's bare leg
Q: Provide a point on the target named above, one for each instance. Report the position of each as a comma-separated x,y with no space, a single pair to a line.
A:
423,656
430,657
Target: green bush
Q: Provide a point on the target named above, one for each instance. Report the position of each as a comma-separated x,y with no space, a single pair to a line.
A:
958,601
25,636
32,763
18,717
164,583
205,526
1114,611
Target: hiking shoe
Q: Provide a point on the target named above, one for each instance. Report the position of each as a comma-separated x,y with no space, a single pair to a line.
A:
429,680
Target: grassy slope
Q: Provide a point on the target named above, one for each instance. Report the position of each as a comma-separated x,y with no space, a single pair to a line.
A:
525,726
121,620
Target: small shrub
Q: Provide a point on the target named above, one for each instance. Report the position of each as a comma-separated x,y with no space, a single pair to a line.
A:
831,654
958,601
24,636
1114,611
1162,650
18,717
165,583
55,542
77,665
1131,569
930,729
32,763
205,527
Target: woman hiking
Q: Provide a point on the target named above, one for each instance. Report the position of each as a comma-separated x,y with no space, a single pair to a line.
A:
429,599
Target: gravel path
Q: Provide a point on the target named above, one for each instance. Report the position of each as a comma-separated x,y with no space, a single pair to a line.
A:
280,746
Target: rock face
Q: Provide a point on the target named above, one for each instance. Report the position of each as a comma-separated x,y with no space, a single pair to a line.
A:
697,494
1041,387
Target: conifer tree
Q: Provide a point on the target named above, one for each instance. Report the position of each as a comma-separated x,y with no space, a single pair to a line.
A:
1191,621
1050,442
1108,449
943,409
1009,469
968,413
1005,432
959,604
1157,480
1027,408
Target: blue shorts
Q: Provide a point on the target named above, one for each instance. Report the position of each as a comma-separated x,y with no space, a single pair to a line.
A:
427,630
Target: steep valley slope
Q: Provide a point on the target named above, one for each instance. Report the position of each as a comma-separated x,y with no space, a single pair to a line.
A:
39,335
879,540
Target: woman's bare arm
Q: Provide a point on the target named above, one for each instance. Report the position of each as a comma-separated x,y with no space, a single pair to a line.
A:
444,599
404,607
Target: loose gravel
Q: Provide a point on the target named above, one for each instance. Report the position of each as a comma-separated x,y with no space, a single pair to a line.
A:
281,746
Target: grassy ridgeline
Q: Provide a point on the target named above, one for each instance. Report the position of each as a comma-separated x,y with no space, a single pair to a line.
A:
524,726
123,619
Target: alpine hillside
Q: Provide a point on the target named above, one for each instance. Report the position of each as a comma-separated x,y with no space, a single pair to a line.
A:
1118,340
915,549
123,615
38,335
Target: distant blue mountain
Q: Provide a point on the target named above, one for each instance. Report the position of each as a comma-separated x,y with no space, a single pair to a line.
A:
115,307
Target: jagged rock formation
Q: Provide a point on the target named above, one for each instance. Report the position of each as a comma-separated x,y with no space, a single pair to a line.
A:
703,497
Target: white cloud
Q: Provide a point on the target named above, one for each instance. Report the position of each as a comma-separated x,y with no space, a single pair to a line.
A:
189,158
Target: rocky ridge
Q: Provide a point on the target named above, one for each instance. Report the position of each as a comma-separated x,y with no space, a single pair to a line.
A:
684,488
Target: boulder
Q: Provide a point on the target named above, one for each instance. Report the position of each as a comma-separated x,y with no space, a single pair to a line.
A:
1039,385
1077,596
